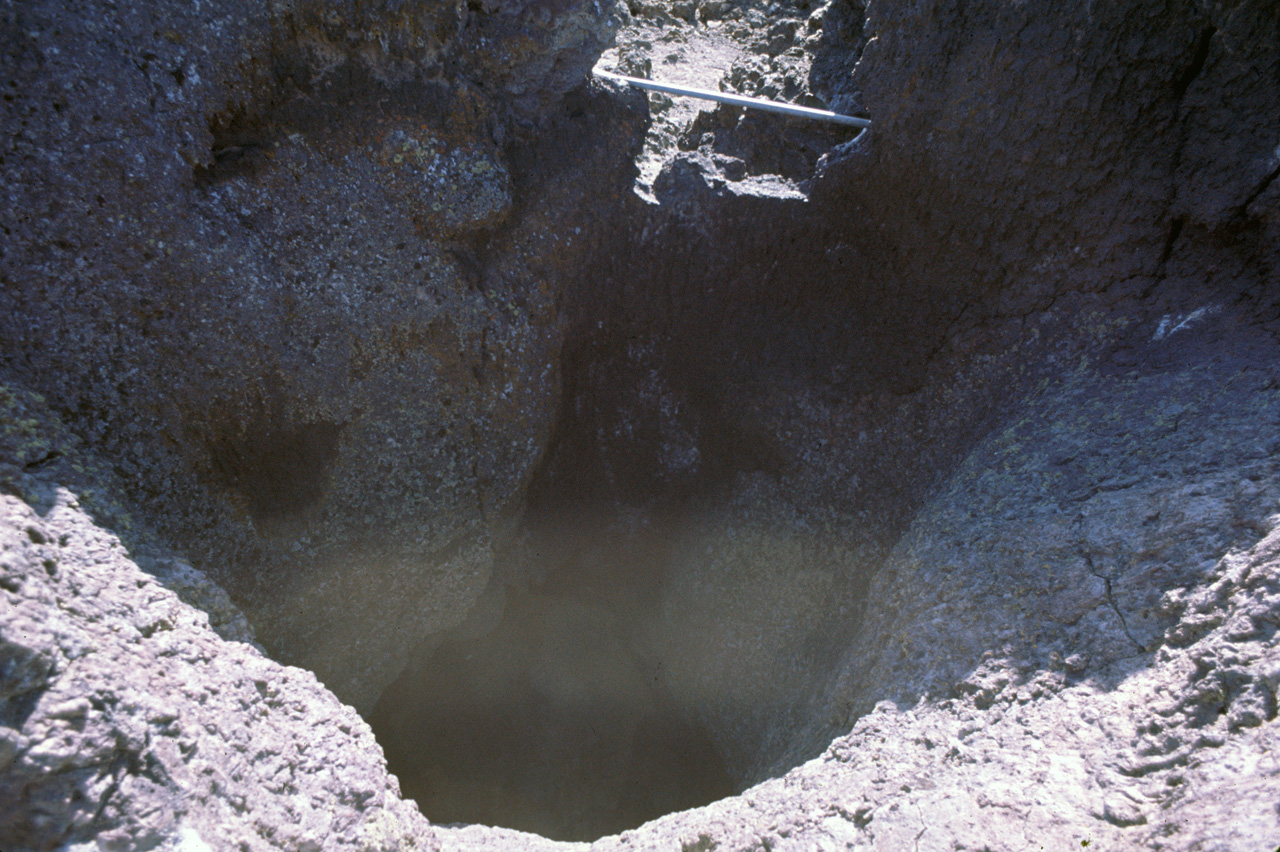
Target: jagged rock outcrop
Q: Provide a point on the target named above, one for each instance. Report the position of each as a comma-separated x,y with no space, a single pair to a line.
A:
127,722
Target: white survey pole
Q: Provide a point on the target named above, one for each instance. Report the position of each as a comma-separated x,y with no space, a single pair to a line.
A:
738,100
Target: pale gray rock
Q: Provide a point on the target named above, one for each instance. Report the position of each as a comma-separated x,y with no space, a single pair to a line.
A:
126,722
37,449
1060,534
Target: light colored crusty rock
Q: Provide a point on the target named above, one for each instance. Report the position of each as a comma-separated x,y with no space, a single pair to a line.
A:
127,723
37,448
1061,532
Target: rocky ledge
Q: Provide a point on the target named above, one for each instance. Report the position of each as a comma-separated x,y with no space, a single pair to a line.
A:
127,722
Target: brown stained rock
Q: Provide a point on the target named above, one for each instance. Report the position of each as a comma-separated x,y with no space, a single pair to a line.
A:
254,250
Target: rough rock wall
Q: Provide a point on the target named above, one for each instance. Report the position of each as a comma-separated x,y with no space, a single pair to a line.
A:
816,387
37,448
1059,536
127,722
1073,141
270,262
1063,225
805,375
1171,751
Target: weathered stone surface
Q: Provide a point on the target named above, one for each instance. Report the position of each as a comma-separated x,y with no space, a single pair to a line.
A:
1103,490
127,723
960,435
37,448
257,259
1093,184
786,51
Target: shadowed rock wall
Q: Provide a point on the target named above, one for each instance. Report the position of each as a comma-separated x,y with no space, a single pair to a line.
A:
802,376
287,269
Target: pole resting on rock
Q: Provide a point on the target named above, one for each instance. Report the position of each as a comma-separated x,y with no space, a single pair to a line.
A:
738,100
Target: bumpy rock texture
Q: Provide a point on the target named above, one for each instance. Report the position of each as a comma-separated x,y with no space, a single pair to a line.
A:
923,482
264,261
126,722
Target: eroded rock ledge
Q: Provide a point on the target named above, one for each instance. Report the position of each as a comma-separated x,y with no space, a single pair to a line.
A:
930,502
128,723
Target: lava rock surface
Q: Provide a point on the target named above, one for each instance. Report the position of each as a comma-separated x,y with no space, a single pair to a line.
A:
266,262
126,722
930,473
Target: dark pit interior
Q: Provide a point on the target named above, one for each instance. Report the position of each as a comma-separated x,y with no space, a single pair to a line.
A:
614,672
548,710
554,708
552,719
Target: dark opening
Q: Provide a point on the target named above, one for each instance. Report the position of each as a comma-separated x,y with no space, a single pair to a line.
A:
552,721
279,470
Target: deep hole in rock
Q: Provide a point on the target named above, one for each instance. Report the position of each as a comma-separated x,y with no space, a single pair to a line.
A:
652,639
553,721
548,710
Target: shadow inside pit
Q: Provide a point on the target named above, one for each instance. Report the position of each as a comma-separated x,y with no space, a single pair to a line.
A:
550,721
